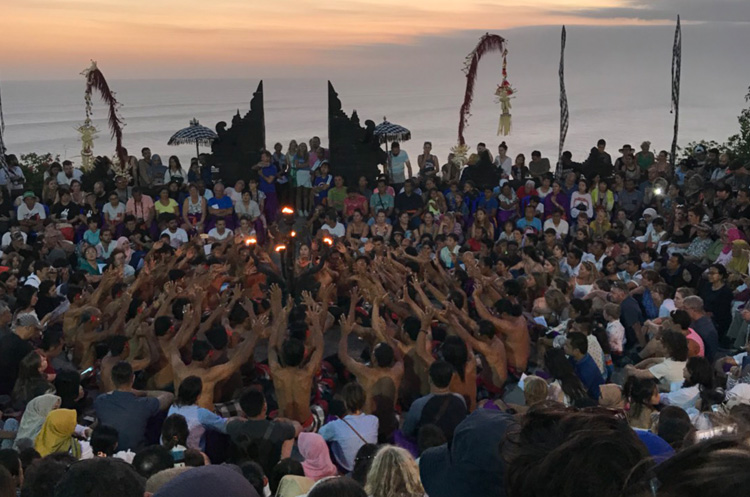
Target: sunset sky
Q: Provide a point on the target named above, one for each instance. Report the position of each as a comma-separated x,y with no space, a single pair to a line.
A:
46,39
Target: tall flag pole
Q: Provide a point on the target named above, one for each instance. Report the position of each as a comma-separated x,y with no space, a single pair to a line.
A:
676,69
3,165
564,113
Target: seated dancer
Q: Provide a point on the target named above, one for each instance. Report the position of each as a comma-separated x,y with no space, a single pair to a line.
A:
383,376
292,370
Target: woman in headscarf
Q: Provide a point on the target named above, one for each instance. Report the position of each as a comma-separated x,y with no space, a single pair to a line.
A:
33,418
728,234
740,258
293,486
132,258
317,463
57,433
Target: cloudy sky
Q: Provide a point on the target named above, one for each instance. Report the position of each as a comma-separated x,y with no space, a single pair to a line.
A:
54,39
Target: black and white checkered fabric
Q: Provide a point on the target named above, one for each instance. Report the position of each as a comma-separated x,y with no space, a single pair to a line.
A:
192,134
391,132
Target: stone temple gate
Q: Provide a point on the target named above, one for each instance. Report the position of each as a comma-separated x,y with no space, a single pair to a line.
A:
354,150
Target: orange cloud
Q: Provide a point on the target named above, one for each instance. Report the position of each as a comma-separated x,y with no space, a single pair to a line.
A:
140,37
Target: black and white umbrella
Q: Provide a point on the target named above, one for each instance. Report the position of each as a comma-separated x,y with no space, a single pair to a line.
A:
195,133
387,131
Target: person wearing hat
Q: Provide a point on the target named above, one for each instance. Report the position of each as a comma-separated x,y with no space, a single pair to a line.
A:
620,162
209,481
31,213
648,217
645,157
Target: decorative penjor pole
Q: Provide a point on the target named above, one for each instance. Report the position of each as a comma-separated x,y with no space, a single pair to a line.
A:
676,70
95,80
487,43
3,165
564,113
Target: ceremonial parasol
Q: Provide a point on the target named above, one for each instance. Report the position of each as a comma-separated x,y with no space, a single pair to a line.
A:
195,133
387,131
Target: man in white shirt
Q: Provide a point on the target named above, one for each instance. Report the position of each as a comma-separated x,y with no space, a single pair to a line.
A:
41,270
572,263
334,228
68,174
220,232
557,223
177,236
31,214
597,254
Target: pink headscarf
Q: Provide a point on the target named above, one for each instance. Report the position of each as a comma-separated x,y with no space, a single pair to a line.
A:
732,235
124,245
317,464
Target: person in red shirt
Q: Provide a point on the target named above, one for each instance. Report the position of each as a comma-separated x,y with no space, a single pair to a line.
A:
353,201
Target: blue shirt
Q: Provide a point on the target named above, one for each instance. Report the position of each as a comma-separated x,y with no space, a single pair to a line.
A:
488,204
345,442
198,420
264,185
590,376
224,202
127,414
319,196
534,223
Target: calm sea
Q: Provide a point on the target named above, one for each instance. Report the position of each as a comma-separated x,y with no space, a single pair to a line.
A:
618,90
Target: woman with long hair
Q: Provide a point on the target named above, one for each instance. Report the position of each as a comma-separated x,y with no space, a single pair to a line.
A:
291,160
194,210
32,381
482,227
175,172
174,435
198,419
304,180
584,282
381,227
49,192
394,473
642,397
566,387
698,376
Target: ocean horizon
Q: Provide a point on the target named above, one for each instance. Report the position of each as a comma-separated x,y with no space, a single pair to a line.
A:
620,92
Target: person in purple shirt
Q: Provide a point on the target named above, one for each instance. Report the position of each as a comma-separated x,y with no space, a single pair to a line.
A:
556,200
267,174
577,347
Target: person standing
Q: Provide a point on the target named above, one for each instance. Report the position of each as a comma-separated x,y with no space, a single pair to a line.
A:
143,172
428,163
398,165
13,178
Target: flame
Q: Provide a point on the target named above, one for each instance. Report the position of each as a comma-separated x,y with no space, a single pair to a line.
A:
279,248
